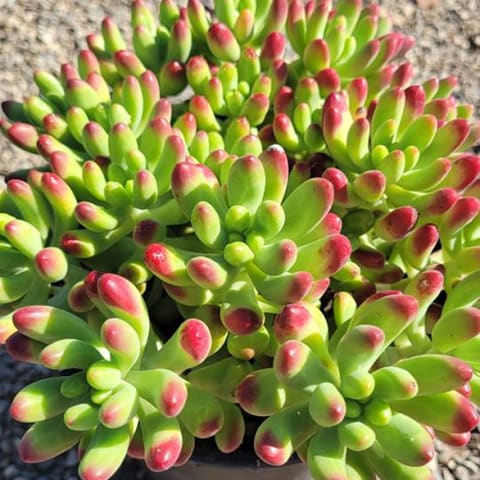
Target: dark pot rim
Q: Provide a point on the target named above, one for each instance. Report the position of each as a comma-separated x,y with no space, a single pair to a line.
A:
206,452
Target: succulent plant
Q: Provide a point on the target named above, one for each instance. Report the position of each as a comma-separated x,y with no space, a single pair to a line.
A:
34,269
113,393
251,252
250,213
361,407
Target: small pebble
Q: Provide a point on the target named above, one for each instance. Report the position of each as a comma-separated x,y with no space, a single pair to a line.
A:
462,473
10,472
447,475
427,4
471,466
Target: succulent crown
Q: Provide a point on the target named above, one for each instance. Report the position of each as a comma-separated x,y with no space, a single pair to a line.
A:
296,237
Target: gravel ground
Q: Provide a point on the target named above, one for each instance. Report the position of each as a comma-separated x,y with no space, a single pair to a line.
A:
45,33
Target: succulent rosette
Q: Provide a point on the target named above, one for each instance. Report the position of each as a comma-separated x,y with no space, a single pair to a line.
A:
347,37
181,33
365,408
407,190
353,42
111,163
126,395
296,237
34,269
411,141
330,54
251,251
231,90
